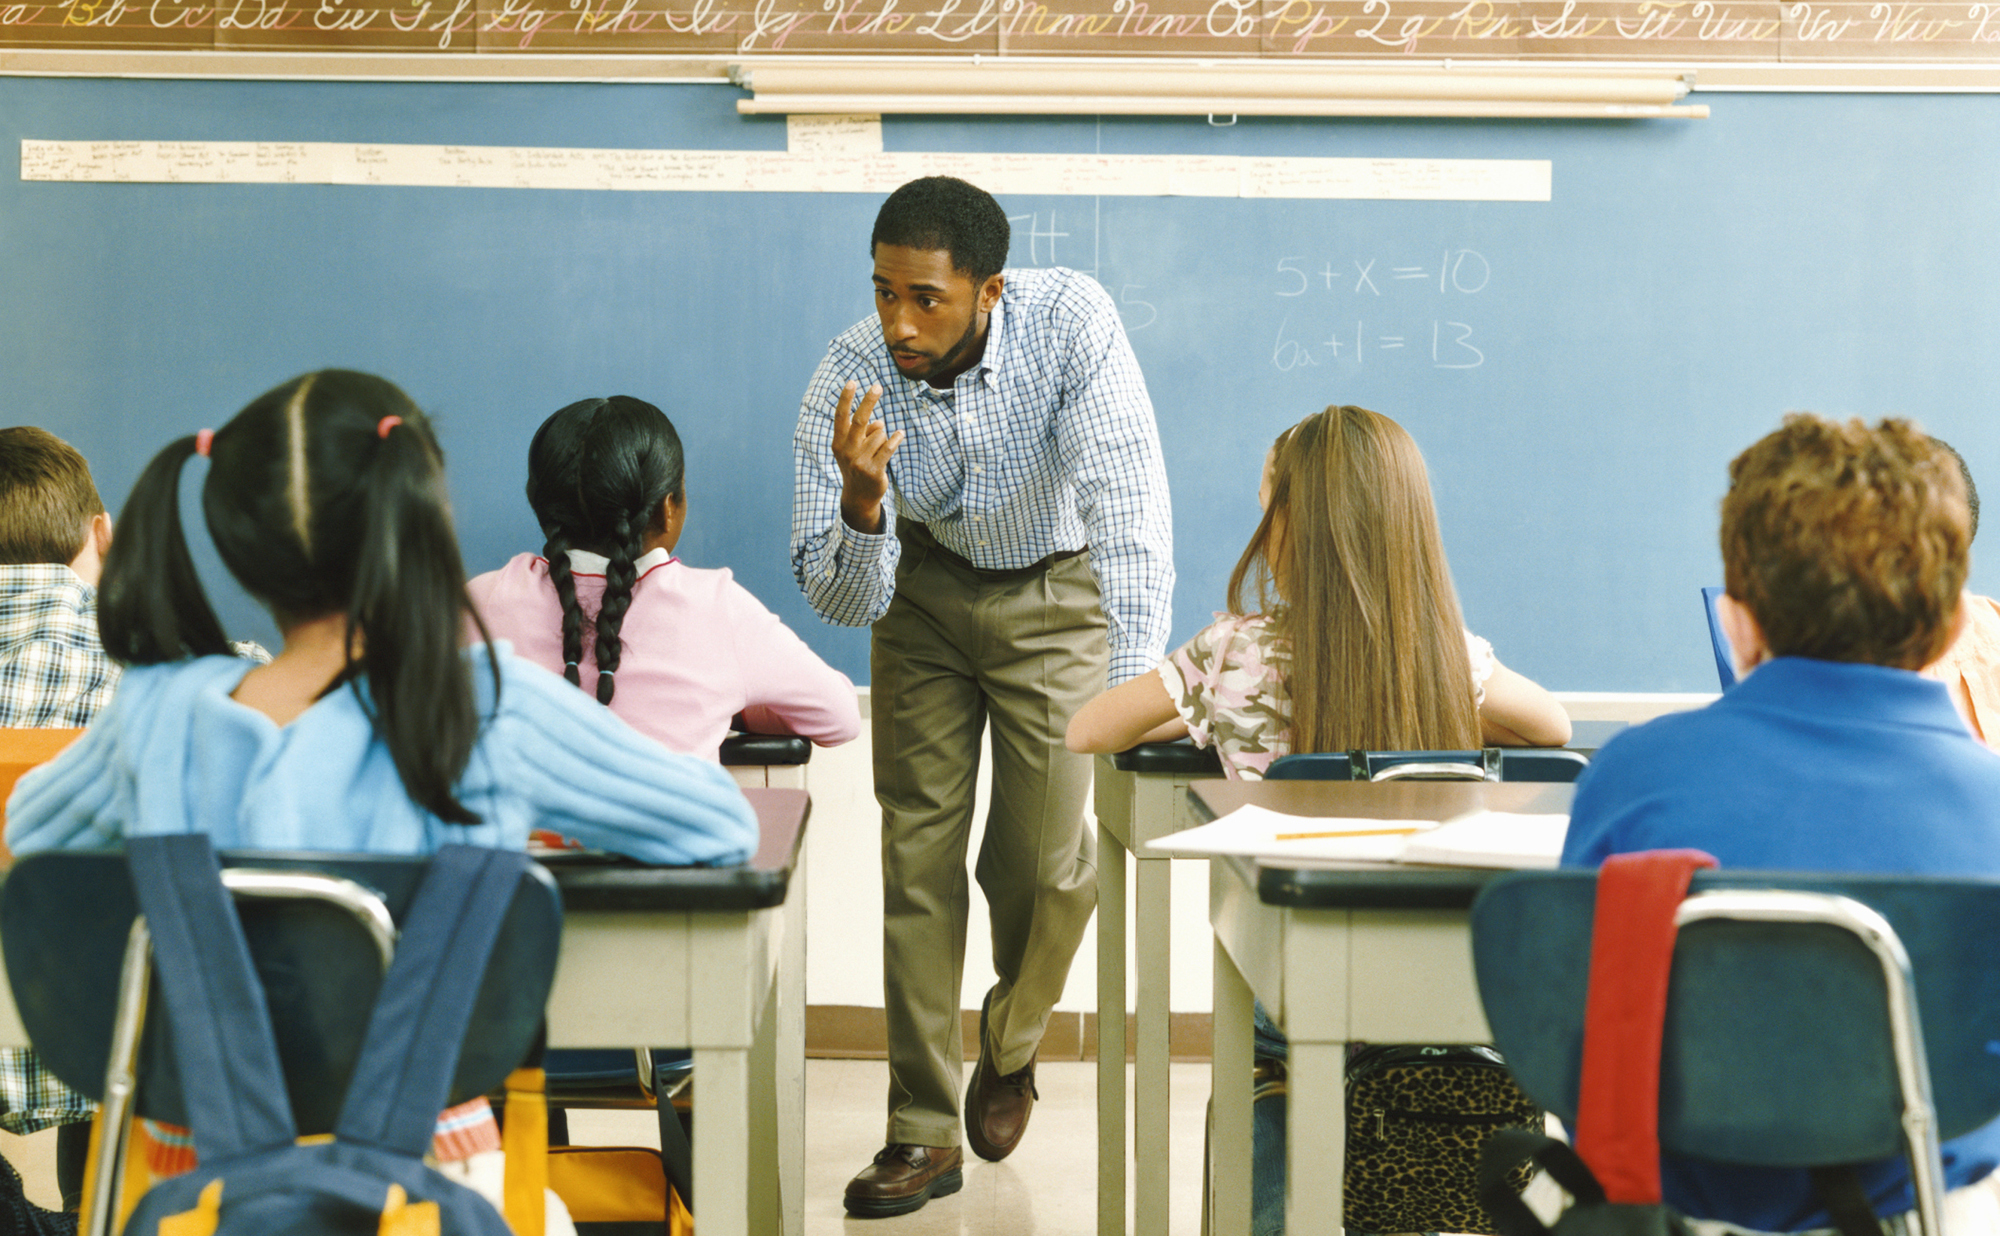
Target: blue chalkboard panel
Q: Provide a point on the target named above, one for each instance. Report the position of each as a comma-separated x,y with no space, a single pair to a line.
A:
1578,371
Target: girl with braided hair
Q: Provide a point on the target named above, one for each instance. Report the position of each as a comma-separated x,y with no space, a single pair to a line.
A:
675,650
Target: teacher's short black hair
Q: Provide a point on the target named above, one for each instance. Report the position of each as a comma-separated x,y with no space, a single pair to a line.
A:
943,212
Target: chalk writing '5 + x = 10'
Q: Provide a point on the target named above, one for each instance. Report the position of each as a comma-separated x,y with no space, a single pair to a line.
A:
1458,270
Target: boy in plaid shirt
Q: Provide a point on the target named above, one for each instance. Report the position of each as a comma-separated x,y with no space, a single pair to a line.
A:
53,674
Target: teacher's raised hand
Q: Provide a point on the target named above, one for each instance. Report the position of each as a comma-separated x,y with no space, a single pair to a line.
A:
861,450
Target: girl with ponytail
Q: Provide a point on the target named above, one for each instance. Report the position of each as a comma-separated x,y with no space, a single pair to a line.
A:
674,650
373,729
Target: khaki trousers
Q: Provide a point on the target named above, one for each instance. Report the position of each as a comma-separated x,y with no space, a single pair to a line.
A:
960,648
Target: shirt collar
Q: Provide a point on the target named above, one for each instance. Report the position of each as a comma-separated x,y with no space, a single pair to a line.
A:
1875,694
40,575
583,562
989,360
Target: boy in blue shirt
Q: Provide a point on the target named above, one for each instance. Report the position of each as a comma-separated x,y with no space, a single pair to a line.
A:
1845,551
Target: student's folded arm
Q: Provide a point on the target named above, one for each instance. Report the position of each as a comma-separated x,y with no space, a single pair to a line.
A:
1135,711
590,776
1520,713
787,688
848,576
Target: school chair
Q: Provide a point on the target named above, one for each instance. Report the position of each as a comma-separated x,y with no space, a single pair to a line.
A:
767,759
1490,764
22,749
321,930
1725,657
1810,1018
661,1080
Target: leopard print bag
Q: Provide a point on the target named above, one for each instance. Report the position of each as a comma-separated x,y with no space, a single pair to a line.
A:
1416,1118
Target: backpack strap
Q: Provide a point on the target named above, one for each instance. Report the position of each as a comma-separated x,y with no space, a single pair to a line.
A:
1631,956
231,1081
404,1073
1840,1190
1506,1149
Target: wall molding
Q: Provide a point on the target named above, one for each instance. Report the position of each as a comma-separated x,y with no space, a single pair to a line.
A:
851,1032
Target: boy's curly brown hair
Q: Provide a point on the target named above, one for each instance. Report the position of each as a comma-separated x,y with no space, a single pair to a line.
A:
1848,543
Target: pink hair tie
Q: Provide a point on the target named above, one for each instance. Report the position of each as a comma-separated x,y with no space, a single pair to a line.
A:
203,438
387,423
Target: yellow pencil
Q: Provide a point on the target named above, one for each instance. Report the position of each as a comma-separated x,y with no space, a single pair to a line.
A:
1363,832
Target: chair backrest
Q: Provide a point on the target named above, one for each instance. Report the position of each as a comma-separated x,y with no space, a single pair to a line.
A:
65,918
1760,1015
1725,656
746,750
22,749
1182,759
1490,764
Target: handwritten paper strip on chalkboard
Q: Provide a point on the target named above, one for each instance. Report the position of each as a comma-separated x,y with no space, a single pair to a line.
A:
817,169
845,134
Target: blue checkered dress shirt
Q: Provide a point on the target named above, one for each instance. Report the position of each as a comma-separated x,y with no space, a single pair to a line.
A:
1047,444
53,675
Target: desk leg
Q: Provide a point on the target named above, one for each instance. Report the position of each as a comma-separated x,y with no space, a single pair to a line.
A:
1152,1102
768,1201
722,1141
791,1056
1110,1034
1229,1087
1315,1137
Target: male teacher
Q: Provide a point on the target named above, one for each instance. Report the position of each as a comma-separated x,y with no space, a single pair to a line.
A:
979,477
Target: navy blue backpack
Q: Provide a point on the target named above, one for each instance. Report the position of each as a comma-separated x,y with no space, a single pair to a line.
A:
254,1177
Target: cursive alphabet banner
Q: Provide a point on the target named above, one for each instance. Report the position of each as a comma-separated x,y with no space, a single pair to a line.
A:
1850,31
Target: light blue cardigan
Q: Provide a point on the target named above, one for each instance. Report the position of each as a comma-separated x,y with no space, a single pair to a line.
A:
173,753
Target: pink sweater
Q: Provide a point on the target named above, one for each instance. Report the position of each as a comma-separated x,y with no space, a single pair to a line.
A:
698,649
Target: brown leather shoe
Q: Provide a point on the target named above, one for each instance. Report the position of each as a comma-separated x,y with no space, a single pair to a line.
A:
902,1178
996,1107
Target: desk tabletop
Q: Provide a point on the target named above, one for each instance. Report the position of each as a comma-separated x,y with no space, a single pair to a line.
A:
610,882
1183,759
1588,736
1376,888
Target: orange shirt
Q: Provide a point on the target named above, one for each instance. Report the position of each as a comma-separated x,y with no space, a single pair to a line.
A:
1970,670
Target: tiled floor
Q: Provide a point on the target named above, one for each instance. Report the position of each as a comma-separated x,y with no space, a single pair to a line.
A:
1048,1187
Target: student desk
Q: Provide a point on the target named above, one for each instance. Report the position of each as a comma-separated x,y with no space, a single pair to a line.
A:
711,958
1379,954
1141,795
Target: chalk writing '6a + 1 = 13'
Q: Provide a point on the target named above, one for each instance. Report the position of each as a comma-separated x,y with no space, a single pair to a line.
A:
1307,281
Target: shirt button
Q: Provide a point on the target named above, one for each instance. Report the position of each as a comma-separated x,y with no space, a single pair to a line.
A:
977,518
982,545
978,467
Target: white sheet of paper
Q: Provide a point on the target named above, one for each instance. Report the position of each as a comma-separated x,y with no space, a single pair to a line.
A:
1477,839
1490,839
1253,832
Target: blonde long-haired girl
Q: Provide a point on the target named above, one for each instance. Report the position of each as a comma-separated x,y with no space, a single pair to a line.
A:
1355,640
